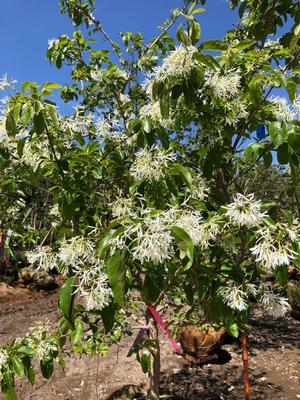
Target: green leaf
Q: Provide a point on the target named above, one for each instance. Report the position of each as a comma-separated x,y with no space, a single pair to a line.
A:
185,246
163,137
157,88
116,272
10,125
283,153
27,84
51,85
26,114
282,275
234,330
198,10
17,365
53,115
145,361
103,244
182,36
216,45
66,299
20,147
28,370
8,386
184,172
150,291
147,125
268,158
188,92
76,334
207,60
39,123
270,223
108,316
294,141
164,103
265,204
47,368
176,91
195,32
276,133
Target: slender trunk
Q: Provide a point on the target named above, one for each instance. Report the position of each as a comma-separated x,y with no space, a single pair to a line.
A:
246,367
154,375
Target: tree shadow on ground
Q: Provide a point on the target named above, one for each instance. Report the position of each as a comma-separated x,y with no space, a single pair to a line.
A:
209,384
269,333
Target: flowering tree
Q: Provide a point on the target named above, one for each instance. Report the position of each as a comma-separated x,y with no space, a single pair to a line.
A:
142,184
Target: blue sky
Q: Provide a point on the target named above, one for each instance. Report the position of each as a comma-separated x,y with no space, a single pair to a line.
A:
26,26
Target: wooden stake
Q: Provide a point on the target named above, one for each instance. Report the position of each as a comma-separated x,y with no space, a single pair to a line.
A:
246,366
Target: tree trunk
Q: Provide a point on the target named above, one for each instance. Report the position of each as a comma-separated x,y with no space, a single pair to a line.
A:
154,375
246,367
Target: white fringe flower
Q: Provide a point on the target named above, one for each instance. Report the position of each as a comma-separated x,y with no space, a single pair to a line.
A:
152,110
236,110
3,358
282,109
153,240
275,305
200,189
93,286
179,62
43,257
123,207
75,252
208,232
151,164
234,297
40,338
273,248
245,211
191,222
224,86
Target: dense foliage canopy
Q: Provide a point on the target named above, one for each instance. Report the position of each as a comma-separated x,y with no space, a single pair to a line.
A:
145,193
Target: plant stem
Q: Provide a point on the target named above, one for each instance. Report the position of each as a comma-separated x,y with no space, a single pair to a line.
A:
246,366
154,375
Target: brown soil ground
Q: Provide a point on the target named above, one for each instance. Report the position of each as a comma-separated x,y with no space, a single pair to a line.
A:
274,361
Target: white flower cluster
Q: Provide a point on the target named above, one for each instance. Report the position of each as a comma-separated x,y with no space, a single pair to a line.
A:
77,124
75,252
274,304
200,188
236,110
208,232
150,238
179,62
153,241
152,110
43,257
151,164
41,340
234,296
296,105
191,222
98,74
224,86
123,207
245,211
283,110
3,359
52,42
33,152
109,130
93,286
5,82
274,248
